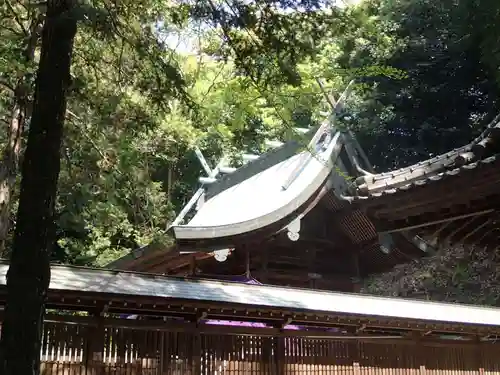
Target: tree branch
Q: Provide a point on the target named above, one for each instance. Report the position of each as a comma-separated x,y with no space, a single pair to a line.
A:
89,139
7,85
16,16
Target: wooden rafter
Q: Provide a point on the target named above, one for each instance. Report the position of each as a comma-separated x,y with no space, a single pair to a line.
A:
438,221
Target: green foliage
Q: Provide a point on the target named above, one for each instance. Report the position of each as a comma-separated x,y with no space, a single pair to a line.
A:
463,275
448,91
128,160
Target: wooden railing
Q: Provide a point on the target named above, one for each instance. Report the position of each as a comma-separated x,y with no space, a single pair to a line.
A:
78,349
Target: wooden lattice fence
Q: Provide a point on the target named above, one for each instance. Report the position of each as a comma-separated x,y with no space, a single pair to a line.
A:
75,349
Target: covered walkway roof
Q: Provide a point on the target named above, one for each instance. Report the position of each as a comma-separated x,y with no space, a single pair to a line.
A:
129,292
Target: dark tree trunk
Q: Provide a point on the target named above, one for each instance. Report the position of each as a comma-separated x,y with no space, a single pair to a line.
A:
29,273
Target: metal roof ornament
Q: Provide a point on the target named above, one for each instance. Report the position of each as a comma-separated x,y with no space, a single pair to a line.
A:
294,229
221,255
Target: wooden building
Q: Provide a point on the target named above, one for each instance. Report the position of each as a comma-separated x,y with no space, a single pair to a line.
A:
320,217
449,199
282,219
186,326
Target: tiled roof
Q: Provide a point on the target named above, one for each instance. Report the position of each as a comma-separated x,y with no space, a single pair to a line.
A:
483,151
423,180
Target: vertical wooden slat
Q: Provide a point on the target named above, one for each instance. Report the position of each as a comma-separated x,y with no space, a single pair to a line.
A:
420,355
479,360
45,338
57,347
70,349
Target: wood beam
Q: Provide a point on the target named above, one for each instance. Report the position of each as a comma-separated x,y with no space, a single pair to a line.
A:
436,233
471,196
279,274
485,235
172,263
459,228
194,327
438,221
475,230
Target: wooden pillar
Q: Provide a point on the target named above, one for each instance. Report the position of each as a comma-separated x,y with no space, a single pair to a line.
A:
419,354
247,263
162,363
197,354
311,258
479,356
267,354
356,286
280,355
356,279
263,267
95,344
192,266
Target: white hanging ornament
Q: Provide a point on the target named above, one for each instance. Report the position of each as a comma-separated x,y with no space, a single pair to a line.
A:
221,255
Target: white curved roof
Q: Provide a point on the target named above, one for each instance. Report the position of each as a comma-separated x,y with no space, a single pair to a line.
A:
262,199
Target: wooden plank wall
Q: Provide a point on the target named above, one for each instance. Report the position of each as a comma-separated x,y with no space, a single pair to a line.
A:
72,349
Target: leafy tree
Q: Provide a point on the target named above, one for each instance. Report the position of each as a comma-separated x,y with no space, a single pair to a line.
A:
21,36
448,91
133,110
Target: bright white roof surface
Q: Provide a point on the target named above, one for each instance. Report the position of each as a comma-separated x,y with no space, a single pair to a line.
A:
263,193
147,285
261,200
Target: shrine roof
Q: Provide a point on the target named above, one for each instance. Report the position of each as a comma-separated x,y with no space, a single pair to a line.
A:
482,153
265,195
125,286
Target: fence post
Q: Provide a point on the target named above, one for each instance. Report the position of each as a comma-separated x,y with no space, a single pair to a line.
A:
421,355
95,344
479,356
197,353
280,357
